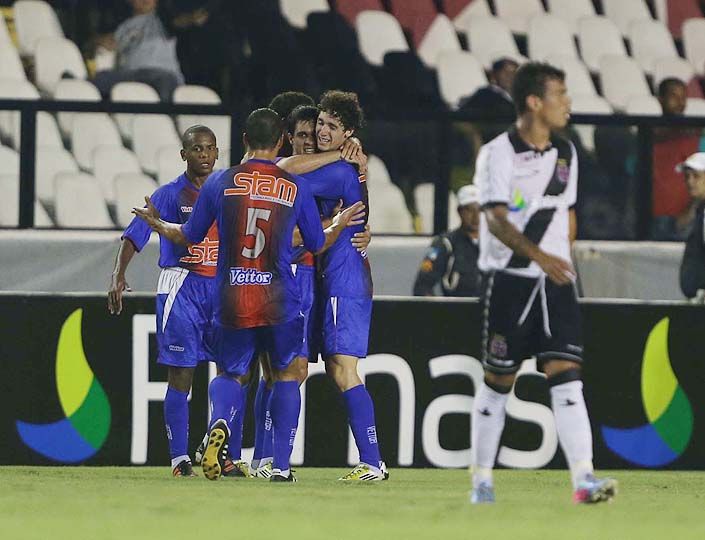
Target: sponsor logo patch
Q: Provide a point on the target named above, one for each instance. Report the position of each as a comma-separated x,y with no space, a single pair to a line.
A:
249,276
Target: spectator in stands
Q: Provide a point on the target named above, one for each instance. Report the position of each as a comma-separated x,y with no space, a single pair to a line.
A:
671,202
452,257
692,271
496,96
145,52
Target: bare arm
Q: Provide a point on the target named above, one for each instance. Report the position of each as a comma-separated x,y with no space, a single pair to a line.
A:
572,226
170,231
558,270
305,163
118,283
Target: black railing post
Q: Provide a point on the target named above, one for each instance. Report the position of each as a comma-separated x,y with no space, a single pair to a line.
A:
644,179
236,148
28,153
442,187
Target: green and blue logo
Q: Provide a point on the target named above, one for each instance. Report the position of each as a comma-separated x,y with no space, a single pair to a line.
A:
670,417
85,427
517,203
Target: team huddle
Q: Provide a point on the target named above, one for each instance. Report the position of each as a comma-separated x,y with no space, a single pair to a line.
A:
266,262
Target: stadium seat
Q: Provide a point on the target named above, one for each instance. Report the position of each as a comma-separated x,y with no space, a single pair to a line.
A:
224,160
149,133
547,34
516,14
461,11
379,33
599,36
459,75
388,212
672,67
650,41
453,217
47,131
439,38
169,164
90,130
644,105
130,190
132,92
10,121
425,205
51,161
694,43
695,107
489,39
577,77
624,12
415,17
5,39
10,63
73,90
191,94
589,104
673,13
80,202
109,161
350,9
622,79
54,57
10,204
571,10
296,11
195,94
34,20
9,161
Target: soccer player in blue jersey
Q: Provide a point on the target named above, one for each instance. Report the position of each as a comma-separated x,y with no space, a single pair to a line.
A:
184,290
256,299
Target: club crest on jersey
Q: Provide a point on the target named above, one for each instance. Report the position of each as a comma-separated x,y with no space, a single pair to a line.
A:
249,276
263,187
562,170
498,346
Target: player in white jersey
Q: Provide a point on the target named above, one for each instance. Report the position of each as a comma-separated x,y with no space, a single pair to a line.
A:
527,178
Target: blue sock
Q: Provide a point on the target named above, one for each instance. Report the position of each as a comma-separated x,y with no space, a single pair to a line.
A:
263,422
284,406
235,442
176,420
226,397
361,414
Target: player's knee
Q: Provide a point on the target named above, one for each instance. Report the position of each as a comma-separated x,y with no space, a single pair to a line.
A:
297,370
562,371
180,379
343,371
500,383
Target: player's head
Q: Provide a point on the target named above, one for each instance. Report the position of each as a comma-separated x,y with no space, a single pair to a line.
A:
199,149
264,130
286,102
672,96
301,129
340,115
693,170
469,208
503,72
142,7
539,90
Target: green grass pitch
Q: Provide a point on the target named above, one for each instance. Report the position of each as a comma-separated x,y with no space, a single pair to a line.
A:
77,503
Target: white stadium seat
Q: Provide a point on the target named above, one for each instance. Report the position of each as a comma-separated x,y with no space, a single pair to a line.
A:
5,39
644,105
10,63
9,161
624,12
672,67
10,121
150,133
599,36
694,43
73,90
224,161
379,33
296,11
388,212
440,37
53,57
425,205
577,76
517,13
80,202
50,162
490,39
651,41
465,10
548,34
695,107
109,161
459,75
47,131
192,94
34,20
131,92
10,204
622,79
88,132
169,163
130,190
571,10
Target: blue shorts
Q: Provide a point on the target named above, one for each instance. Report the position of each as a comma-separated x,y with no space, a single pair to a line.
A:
237,348
306,278
346,325
184,318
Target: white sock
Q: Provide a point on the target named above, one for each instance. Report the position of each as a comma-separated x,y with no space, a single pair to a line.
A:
179,459
573,426
488,413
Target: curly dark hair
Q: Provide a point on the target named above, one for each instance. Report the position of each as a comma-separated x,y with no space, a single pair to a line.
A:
530,80
345,106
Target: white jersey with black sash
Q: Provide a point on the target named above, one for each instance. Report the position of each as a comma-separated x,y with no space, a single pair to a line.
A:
538,187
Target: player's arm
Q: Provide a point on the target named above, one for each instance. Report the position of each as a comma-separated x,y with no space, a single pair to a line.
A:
305,163
350,217
361,240
572,226
558,270
432,268
171,231
118,283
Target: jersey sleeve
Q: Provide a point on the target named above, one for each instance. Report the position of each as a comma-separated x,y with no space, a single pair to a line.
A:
325,182
308,219
433,266
138,232
493,174
572,192
204,211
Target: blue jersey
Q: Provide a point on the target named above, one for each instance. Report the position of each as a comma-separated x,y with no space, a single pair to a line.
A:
345,271
256,206
175,202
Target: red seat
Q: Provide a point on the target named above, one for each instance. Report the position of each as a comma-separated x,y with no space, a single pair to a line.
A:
415,17
454,7
678,11
349,9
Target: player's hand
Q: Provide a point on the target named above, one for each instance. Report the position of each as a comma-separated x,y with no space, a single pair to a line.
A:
361,240
351,216
118,284
361,162
149,213
350,150
558,270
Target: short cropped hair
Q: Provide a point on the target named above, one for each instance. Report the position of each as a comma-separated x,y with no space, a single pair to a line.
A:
530,80
263,128
345,106
198,128
501,63
286,102
302,113
666,84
